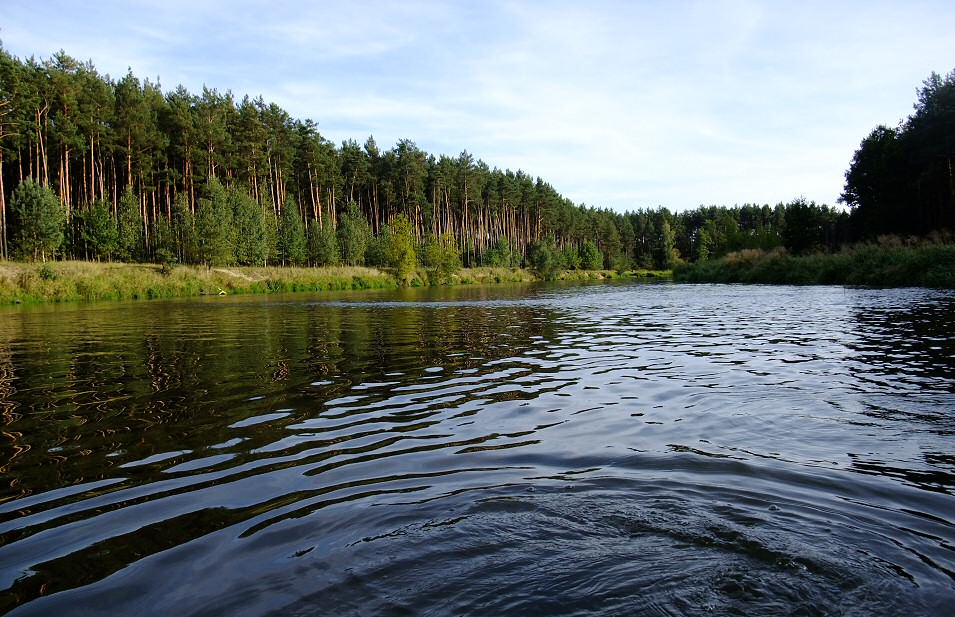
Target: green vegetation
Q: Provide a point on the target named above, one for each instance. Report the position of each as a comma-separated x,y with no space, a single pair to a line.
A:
38,219
97,169
70,281
886,263
76,280
901,180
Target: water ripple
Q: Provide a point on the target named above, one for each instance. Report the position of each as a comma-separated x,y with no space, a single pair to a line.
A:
648,449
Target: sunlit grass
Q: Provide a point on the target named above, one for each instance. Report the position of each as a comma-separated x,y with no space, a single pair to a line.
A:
70,281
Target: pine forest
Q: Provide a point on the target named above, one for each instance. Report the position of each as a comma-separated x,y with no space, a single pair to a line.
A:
104,169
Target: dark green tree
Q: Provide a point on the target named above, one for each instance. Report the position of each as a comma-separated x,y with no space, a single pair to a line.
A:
214,226
249,226
544,259
354,236
591,258
323,249
129,226
38,220
291,241
803,232
99,231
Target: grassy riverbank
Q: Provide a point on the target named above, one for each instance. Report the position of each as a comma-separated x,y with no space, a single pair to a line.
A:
888,263
70,281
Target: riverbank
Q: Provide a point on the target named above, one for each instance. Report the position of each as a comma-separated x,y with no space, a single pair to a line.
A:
72,281
888,263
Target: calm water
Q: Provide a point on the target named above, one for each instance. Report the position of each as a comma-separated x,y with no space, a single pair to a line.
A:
610,449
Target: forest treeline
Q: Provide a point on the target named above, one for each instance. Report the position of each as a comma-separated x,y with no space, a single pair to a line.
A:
98,168
901,179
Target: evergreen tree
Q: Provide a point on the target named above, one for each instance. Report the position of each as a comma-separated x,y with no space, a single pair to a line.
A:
214,227
354,236
499,255
129,224
570,257
249,240
38,220
184,230
323,249
99,231
544,260
591,258
291,239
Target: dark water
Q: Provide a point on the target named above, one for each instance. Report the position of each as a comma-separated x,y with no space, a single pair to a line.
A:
614,449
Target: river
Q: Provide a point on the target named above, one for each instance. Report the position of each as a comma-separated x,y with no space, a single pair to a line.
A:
616,448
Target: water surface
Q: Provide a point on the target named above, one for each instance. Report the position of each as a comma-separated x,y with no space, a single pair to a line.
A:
614,449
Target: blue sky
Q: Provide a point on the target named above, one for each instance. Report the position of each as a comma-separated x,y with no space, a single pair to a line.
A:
621,105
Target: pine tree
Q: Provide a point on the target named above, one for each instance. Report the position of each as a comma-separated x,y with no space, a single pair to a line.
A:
291,240
354,236
129,225
214,227
38,220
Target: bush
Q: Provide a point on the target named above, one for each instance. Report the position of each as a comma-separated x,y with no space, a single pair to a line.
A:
544,259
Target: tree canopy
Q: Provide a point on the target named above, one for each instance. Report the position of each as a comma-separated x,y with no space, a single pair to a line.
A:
901,180
140,174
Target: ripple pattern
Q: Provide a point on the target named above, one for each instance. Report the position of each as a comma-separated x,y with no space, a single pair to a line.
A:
612,449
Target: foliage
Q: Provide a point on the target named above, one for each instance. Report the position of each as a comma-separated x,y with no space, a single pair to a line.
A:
203,177
249,226
570,257
544,260
37,221
669,254
98,230
129,225
214,226
184,230
887,263
354,235
400,247
901,180
323,249
442,257
591,258
291,238
500,254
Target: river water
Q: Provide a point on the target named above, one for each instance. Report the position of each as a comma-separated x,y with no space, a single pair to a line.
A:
648,449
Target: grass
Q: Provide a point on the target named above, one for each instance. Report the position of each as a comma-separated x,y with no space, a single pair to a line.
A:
72,281
889,262
69,281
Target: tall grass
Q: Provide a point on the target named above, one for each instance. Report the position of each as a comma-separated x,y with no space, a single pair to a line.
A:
79,280
888,262
70,281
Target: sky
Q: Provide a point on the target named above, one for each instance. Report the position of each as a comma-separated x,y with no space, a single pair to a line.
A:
616,104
